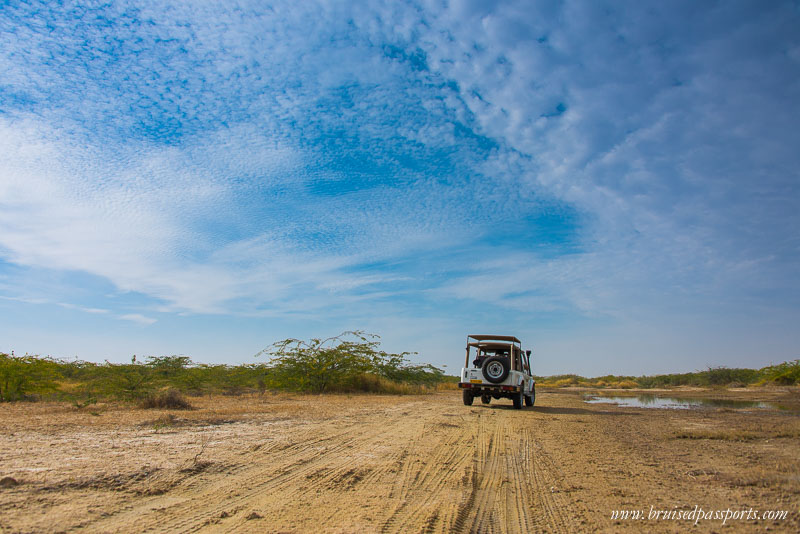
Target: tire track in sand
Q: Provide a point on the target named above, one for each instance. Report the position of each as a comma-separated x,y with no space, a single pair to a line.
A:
503,481
434,468
274,471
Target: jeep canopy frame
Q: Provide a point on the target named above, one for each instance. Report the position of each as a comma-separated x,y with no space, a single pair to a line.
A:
520,360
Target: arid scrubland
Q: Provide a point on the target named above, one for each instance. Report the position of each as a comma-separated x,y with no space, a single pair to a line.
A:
386,463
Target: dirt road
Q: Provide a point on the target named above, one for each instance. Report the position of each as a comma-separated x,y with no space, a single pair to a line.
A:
392,464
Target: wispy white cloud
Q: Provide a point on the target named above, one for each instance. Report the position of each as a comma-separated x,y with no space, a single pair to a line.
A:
23,299
82,308
631,116
137,318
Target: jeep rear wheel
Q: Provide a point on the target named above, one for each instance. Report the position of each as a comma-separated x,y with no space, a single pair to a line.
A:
530,399
467,396
518,399
495,369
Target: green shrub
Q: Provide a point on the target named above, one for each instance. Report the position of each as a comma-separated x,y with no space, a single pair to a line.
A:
170,399
786,373
22,377
127,381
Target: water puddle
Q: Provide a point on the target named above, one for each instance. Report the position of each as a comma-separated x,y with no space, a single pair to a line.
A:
683,403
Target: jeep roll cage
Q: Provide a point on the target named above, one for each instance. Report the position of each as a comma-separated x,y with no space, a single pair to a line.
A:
508,346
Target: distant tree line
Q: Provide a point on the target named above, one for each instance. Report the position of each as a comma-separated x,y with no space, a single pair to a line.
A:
350,362
784,374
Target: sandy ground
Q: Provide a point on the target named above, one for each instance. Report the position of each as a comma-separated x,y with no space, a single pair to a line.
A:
282,463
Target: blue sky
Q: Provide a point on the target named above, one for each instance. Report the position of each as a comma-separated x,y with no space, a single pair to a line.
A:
615,183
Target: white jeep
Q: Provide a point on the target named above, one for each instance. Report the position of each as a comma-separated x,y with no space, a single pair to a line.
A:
500,368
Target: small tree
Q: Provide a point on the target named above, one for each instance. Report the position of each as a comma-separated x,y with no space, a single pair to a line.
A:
337,363
132,381
21,376
320,364
168,366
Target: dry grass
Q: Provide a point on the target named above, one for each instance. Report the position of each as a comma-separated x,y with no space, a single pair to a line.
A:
587,383
164,422
738,434
725,435
374,384
564,382
117,465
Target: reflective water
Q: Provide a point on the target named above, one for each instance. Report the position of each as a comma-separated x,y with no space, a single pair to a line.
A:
683,403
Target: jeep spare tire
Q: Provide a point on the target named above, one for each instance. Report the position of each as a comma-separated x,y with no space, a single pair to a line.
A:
495,369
